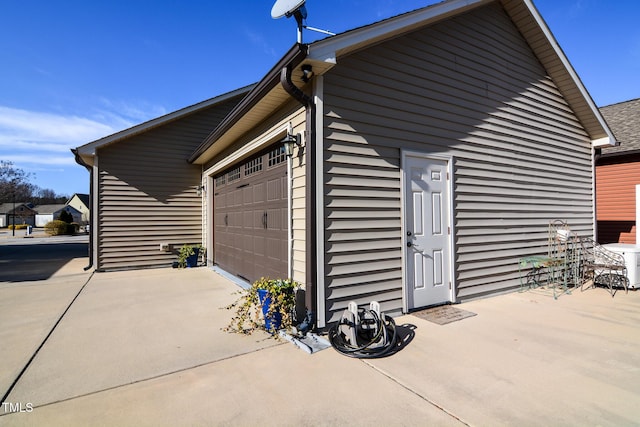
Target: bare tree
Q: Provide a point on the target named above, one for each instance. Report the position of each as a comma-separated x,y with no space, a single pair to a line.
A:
14,183
46,196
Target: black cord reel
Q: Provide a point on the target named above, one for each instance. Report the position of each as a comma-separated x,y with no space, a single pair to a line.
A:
363,333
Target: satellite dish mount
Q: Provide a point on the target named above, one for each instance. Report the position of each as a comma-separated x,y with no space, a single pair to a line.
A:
300,14
296,9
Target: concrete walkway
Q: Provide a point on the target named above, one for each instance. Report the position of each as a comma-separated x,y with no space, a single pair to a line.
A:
145,348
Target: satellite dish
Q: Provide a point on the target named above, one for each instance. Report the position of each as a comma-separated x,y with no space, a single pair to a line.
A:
296,9
290,8
287,8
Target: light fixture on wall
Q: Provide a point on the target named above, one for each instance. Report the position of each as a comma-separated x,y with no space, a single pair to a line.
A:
200,189
290,142
307,72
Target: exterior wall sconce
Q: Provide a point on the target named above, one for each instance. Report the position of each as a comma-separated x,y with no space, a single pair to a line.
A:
200,189
307,72
290,142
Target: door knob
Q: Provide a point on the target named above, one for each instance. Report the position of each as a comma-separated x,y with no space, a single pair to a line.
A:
409,244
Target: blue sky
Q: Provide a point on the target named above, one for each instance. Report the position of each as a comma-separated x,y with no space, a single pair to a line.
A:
74,71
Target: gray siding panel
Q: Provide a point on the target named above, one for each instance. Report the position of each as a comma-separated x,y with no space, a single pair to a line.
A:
469,87
147,192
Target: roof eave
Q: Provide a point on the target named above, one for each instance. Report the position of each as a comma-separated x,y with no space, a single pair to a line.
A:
329,49
272,79
541,38
86,151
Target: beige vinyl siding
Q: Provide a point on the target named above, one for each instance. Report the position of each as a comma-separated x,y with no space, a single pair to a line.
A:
298,205
147,192
470,88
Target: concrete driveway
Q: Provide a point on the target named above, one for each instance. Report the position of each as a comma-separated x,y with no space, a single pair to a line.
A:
145,348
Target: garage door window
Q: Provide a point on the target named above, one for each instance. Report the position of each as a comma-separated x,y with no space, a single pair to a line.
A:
277,156
253,166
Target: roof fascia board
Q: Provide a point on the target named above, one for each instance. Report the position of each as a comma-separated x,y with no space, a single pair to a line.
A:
609,139
274,134
605,142
617,154
293,57
329,49
89,149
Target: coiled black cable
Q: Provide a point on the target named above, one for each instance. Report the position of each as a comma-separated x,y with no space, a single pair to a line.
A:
364,349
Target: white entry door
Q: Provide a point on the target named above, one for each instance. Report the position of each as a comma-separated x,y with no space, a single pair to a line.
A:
427,228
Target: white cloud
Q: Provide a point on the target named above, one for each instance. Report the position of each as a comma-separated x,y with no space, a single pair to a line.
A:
260,42
38,126
127,112
44,160
37,140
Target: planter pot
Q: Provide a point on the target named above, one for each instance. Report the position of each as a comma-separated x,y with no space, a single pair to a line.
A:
272,321
192,261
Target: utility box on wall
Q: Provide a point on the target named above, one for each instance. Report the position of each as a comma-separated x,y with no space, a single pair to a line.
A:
631,254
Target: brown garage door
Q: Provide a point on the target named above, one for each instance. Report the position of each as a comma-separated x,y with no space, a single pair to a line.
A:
250,215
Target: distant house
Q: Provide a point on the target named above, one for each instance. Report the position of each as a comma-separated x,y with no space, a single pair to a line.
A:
82,203
47,213
430,152
23,214
618,173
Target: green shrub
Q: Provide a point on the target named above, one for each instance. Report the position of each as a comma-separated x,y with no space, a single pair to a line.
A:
57,227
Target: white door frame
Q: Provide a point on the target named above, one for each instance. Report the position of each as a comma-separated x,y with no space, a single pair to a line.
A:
403,198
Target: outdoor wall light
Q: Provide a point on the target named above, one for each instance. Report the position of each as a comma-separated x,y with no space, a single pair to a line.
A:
290,142
200,189
307,72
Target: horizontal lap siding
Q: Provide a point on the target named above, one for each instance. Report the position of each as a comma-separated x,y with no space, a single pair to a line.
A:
147,193
616,200
469,87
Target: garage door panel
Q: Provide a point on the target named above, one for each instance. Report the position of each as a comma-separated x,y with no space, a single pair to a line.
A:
237,197
247,196
274,220
259,193
250,215
274,190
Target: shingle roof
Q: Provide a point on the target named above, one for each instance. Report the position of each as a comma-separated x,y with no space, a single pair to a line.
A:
48,209
624,120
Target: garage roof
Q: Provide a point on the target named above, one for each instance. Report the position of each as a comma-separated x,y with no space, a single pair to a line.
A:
324,54
85,153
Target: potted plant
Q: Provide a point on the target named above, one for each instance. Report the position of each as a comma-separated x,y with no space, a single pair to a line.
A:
188,255
267,305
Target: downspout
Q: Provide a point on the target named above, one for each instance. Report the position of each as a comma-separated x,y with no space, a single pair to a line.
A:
310,205
293,90
90,169
597,153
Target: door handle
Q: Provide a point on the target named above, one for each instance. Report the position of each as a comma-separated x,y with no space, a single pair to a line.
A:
409,244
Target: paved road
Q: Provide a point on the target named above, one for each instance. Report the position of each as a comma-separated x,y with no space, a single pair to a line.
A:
37,258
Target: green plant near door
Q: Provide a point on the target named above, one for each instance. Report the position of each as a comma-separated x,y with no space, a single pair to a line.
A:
188,255
249,312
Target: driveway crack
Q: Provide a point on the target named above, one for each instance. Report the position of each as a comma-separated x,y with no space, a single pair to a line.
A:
35,353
